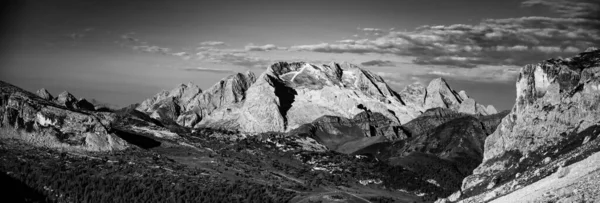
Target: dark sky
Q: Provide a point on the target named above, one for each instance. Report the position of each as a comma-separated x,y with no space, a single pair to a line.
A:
122,52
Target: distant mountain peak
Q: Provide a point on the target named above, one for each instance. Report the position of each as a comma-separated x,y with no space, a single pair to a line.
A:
43,93
289,94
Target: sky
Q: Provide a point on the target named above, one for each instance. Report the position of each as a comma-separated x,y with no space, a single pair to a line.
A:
122,52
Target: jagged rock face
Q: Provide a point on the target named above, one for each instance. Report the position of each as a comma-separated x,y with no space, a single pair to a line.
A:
439,95
349,135
44,94
375,124
443,145
556,101
67,99
414,95
85,105
187,105
288,95
31,118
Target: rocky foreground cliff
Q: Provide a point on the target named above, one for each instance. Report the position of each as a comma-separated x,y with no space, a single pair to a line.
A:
554,124
63,122
288,95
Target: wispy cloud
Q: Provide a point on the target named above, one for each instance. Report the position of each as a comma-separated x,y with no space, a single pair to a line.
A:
152,49
80,34
587,9
378,63
212,43
213,70
266,47
509,41
238,57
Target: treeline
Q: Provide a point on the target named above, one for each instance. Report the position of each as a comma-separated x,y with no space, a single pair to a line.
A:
83,185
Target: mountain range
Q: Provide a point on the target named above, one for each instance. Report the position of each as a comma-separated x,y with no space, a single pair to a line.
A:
331,132
288,95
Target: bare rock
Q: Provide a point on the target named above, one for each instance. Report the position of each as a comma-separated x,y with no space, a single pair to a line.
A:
491,110
468,106
463,95
557,102
455,196
44,94
439,95
67,99
288,95
37,121
84,104
413,95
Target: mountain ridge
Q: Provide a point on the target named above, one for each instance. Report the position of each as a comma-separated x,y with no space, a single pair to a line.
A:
290,94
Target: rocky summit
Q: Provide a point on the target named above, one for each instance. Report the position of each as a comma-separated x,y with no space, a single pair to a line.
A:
288,95
554,123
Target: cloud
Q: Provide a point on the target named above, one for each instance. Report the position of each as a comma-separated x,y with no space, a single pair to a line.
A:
129,37
338,48
208,52
569,8
440,73
378,63
508,41
213,70
153,49
371,29
230,56
212,43
183,55
80,34
266,47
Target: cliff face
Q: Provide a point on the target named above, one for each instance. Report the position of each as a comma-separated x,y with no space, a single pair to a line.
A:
187,104
442,145
288,95
557,104
349,135
38,121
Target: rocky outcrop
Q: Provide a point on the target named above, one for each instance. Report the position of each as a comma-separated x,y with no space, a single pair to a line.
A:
557,104
44,94
288,95
442,145
34,119
440,95
187,104
66,99
414,95
349,135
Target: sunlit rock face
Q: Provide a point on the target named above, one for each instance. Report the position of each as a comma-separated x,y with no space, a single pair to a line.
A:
36,120
188,104
44,94
288,95
556,101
